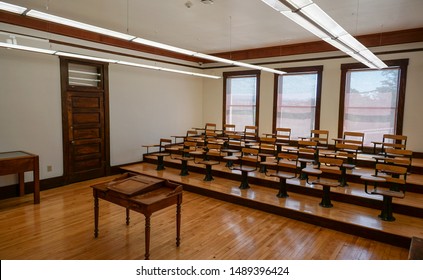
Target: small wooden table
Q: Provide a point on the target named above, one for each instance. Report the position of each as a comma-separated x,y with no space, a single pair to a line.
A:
142,194
20,162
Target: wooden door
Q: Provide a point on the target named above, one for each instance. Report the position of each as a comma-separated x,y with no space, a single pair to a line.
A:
85,120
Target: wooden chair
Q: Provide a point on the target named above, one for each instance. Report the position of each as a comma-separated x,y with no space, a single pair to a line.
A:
389,181
267,148
283,137
396,157
286,168
320,136
307,152
250,134
185,156
247,162
348,152
352,138
161,153
212,156
391,141
326,165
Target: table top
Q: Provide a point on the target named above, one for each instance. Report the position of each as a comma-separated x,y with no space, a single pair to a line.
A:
15,154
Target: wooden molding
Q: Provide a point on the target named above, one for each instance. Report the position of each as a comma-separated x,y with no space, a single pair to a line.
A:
369,40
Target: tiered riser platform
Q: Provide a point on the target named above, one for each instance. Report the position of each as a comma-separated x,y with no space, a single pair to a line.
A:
354,211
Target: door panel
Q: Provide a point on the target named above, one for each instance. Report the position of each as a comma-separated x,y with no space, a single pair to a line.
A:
86,151
86,123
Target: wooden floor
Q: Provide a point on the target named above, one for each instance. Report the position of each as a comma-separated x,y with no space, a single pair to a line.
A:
61,227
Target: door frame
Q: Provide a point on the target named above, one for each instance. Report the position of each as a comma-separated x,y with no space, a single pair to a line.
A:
65,87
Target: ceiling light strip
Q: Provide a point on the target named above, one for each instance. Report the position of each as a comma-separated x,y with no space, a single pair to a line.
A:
12,8
311,17
100,30
87,57
80,25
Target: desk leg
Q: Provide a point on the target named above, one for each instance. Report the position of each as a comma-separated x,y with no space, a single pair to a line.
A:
21,177
95,214
178,224
36,181
147,236
127,216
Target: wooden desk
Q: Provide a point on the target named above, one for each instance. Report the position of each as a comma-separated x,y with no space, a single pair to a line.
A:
20,162
142,194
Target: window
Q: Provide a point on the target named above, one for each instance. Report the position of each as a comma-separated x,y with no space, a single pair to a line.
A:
297,99
241,98
372,100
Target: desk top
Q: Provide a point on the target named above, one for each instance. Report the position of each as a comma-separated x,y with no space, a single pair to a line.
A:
15,154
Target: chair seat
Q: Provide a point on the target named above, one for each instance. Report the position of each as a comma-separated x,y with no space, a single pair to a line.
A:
321,182
372,178
348,166
161,154
245,168
231,158
284,175
184,158
390,193
269,163
306,160
313,171
209,162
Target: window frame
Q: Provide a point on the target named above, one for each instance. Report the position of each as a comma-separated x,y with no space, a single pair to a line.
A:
402,64
306,69
234,74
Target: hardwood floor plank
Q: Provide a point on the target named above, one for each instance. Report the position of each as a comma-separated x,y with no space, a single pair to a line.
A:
61,227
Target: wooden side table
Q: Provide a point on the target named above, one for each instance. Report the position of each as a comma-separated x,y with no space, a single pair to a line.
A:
20,162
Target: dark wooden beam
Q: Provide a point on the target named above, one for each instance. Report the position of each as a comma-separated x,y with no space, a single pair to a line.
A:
369,40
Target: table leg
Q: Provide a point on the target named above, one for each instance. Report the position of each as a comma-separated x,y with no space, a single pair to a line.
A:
147,236
326,202
244,180
127,216
160,163
95,214
36,181
21,177
178,223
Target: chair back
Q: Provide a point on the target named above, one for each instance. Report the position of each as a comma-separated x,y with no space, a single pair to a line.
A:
394,175
164,144
267,145
354,138
249,155
250,133
287,161
320,136
283,135
394,141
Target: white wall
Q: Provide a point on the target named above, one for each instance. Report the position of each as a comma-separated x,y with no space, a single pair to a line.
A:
30,109
148,105
145,105
213,93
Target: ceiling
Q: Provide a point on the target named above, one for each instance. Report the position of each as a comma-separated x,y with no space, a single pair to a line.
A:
228,25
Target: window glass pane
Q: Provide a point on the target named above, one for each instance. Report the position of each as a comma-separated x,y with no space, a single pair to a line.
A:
371,98
84,75
241,101
296,105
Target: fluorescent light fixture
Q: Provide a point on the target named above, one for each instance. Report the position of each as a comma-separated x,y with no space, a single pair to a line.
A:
167,69
26,48
162,46
12,8
80,25
74,55
311,17
92,28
